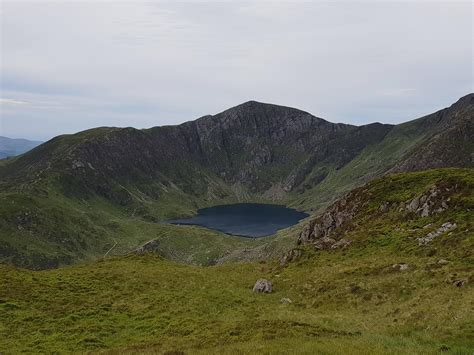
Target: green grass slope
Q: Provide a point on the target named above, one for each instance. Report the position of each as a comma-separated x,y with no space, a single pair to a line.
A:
42,228
44,232
103,191
342,300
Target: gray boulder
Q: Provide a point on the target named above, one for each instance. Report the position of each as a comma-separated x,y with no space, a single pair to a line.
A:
459,283
263,286
149,247
400,267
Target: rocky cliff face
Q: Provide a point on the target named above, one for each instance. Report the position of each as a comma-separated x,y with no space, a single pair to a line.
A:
258,146
441,198
323,232
254,148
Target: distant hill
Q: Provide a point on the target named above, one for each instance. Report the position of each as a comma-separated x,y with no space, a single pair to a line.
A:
11,147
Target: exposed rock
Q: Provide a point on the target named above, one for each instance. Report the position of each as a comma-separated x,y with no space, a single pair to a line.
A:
459,283
321,231
285,300
430,236
76,164
290,256
275,192
343,243
384,207
149,247
425,211
432,202
263,286
413,205
401,267
304,237
324,243
443,262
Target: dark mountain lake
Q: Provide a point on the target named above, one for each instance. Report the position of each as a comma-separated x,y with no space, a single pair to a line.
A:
245,219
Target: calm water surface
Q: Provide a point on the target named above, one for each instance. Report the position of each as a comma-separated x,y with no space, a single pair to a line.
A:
245,219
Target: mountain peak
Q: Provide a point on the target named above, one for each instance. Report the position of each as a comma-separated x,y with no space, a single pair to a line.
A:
257,107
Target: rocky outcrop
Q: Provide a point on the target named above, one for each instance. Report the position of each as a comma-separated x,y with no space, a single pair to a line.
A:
149,247
434,201
290,256
328,231
321,231
263,286
441,230
459,283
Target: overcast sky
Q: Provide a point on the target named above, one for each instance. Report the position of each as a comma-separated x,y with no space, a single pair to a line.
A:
69,66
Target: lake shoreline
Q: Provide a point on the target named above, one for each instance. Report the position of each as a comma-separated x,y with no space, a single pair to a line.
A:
246,220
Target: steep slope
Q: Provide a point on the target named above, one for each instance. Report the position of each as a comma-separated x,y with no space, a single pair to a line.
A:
390,290
254,146
76,196
11,147
449,139
425,208
441,139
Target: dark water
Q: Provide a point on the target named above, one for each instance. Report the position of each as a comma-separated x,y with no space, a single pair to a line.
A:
245,219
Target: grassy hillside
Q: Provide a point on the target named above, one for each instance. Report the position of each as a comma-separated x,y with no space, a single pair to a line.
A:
42,228
105,190
375,160
146,304
351,298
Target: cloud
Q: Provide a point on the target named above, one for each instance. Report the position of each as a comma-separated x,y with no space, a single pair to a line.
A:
86,64
4,101
398,92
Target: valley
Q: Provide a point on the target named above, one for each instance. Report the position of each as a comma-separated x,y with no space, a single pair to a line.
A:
390,290
71,199
237,177
380,262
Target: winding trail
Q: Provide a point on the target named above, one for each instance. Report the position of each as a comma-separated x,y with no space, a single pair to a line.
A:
108,251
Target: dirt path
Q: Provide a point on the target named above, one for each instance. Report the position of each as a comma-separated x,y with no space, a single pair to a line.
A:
108,251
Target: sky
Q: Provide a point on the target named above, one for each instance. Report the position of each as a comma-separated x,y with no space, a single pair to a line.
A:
67,66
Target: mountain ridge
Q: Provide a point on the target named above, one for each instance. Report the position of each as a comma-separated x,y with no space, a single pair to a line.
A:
69,199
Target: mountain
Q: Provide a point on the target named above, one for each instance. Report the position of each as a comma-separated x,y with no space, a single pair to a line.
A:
77,196
11,147
255,147
375,274
448,139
